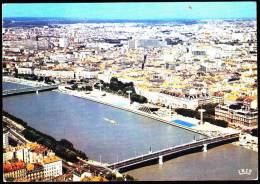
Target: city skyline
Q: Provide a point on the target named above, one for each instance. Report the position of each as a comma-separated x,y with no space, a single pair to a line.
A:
129,92
133,11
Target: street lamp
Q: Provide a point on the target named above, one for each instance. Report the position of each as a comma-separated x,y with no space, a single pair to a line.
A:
129,92
100,85
201,115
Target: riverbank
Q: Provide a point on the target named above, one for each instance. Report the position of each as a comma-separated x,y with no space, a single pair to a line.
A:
23,81
122,103
23,126
68,153
111,100
207,129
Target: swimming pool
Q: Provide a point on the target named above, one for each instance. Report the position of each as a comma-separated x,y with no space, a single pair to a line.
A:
183,123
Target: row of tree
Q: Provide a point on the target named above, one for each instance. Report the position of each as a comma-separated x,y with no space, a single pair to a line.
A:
34,77
113,177
206,116
62,148
121,88
254,132
210,108
83,88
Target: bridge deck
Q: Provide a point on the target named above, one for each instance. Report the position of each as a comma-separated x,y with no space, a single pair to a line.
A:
170,151
28,90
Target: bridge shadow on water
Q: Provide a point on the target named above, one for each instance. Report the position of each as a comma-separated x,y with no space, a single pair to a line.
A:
172,156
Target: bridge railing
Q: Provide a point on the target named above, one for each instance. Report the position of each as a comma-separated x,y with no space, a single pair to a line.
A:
18,89
156,152
21,89
203,141
28,89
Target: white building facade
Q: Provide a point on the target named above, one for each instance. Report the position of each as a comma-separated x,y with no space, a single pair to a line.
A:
52,167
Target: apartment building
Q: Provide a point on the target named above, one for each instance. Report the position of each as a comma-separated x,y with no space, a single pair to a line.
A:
174,100
237,115
16,169
30,153
68,74
23,70
218,97
5,138
35,172
52,166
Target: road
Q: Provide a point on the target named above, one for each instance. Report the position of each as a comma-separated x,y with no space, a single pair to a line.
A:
169,151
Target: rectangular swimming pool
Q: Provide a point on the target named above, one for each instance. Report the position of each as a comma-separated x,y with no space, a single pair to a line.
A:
183,123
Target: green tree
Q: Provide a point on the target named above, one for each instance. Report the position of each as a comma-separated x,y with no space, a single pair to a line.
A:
255,132
114,85
129,178
66,143
111,176
138,98
187,112
210,108
9,179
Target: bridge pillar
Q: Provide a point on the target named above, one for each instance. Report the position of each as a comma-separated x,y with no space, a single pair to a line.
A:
160,160
37,92
204,148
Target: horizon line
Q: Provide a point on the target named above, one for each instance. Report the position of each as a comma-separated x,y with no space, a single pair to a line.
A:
137,19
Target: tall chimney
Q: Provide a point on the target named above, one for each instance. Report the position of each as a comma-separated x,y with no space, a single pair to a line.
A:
144,61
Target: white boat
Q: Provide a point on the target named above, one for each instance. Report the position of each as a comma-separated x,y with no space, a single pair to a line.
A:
111,121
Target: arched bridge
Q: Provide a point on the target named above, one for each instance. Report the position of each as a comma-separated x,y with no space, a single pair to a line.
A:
126,164
28,90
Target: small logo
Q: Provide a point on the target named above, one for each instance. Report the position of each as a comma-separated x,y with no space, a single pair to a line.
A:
244,172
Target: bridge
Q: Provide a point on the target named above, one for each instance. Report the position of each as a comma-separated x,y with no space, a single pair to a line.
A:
12,92
17,136
180,149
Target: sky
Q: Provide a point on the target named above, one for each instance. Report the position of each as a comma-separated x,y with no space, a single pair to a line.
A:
134,11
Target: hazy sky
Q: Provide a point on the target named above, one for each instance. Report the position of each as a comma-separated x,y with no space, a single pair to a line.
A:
152,10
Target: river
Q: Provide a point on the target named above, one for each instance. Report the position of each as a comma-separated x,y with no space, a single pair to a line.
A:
219,163
84,124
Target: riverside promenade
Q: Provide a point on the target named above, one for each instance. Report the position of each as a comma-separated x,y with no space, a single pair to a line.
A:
124,104
120,102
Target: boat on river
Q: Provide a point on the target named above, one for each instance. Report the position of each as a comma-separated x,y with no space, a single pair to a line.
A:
111,121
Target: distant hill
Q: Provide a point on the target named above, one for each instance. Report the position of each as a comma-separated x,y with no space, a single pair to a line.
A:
44,21
36,21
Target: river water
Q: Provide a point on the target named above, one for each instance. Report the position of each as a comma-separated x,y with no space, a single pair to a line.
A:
84,124
219,163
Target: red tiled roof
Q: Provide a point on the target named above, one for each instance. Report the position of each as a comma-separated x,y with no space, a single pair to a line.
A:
9,167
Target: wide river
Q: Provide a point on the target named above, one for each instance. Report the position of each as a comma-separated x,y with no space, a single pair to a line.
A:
85,124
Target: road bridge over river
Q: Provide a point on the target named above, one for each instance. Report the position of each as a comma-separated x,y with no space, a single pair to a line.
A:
181,149
19,91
